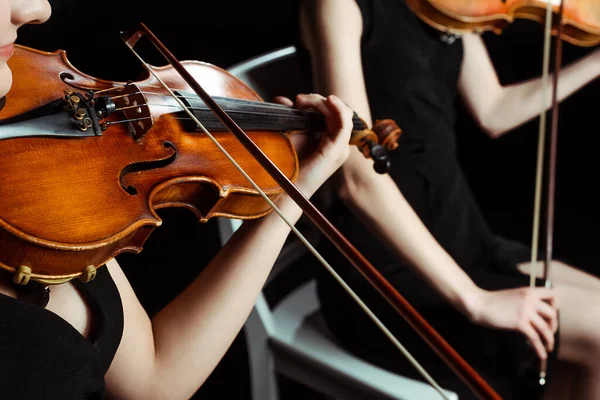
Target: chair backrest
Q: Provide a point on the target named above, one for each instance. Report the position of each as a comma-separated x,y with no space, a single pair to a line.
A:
276,73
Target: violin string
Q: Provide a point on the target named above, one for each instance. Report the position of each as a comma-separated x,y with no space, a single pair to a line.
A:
122,96
303,239
178,107
255,113
193,95
128,107
124,121
118,87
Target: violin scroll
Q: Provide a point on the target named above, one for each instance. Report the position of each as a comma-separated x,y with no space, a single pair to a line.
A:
377,143
388,133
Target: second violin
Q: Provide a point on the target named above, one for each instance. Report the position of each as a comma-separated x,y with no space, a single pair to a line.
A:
580,19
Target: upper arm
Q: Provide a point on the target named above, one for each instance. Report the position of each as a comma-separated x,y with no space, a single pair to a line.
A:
131,369
478,82
331,30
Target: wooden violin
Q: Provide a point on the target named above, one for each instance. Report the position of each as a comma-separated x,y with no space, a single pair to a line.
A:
86,162
580,18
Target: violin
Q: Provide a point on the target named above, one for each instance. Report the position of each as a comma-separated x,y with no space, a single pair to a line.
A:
86,162
580,18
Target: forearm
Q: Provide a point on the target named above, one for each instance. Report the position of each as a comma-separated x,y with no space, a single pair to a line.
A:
521,102
381,206
212,310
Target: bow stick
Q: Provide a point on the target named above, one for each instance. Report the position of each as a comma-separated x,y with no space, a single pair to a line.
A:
550,206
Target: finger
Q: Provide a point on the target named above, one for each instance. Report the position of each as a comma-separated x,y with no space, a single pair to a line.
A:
549,313
535,341
340,114
283,100
548,295
544,329
313,100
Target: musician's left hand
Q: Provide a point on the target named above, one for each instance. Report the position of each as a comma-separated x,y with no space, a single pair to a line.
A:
319,159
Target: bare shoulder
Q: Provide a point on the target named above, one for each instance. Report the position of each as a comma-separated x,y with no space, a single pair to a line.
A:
326,21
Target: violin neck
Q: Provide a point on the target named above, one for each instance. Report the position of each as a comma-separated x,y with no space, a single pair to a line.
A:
261,116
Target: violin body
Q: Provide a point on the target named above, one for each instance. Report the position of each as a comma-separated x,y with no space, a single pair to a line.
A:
581,18
67,203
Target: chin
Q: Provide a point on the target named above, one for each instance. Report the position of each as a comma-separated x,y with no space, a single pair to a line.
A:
5,79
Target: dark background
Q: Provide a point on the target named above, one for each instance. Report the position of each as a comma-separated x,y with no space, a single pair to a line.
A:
501,172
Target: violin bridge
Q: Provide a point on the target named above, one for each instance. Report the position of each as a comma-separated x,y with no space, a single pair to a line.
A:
388,133
134,105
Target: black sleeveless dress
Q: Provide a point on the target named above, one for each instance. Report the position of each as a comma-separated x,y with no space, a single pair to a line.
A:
42,357
411,73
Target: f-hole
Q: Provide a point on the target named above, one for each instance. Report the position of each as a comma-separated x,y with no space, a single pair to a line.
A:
145,166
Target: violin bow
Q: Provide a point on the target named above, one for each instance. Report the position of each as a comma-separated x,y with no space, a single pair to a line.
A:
551,189
468,375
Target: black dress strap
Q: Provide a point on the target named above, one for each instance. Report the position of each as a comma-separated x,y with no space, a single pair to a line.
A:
103,297
43,357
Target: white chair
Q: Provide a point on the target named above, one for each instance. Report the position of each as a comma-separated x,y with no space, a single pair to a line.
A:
291,339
